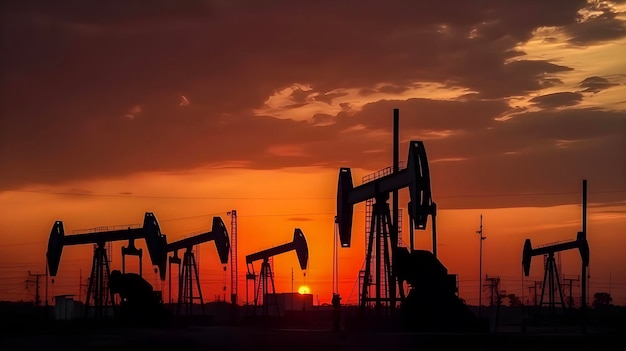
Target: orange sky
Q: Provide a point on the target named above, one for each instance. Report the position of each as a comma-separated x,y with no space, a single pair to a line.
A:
195,110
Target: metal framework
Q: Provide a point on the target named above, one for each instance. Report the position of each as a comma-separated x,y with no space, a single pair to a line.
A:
233,256
188,268
550,279
265,284
383,231
131,250
379,263
100,271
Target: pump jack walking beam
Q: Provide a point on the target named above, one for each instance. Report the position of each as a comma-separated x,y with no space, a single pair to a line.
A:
151,232
415,176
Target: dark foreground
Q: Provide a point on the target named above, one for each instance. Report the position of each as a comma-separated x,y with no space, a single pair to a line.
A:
298,332
191,337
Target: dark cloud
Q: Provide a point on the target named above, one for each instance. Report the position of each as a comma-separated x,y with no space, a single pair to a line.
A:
539,152
602,24
300,96
428,115
595,84
72,71
517,77
534,132
112,12
322,119
328,97
560,99
299,219
393,89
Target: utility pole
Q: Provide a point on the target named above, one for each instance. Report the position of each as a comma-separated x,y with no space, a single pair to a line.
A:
80,284
494,290
480,266
538,285
47,278
570,301
234,282
36,282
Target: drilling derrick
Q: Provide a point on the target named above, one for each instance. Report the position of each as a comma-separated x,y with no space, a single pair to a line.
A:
98,288
188,269
266,278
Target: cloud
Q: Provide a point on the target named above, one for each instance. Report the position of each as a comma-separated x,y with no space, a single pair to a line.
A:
595,84
299,219
532,138
183,101
598,22
560,99
134,111
86,68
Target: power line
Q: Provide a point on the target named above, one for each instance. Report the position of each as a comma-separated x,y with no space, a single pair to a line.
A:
167,197
35,281
298,198
21,244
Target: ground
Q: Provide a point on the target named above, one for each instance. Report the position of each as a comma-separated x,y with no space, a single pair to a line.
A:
216,338
299,332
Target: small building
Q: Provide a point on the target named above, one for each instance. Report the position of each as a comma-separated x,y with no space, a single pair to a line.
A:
65,308
290,302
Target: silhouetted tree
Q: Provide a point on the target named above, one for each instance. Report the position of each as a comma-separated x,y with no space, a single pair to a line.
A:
514,301
601,299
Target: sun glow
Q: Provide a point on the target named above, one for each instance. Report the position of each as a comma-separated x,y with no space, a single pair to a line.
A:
304,290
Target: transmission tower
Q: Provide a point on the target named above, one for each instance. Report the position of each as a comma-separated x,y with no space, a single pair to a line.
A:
495,296
570,280
233,256
535,288
34,279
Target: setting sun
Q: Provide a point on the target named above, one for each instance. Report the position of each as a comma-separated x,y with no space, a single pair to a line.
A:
304,290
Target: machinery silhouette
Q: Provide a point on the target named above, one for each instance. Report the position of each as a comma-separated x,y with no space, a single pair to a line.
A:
551,278
189,270
416,177
266,277
551,274
432,301
98,286
139,303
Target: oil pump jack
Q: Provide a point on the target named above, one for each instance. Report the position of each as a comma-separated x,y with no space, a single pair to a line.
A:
416,177
551,274
266,276
432,301
100,270
189,270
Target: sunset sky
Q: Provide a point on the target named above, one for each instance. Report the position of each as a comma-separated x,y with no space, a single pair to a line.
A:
191,109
